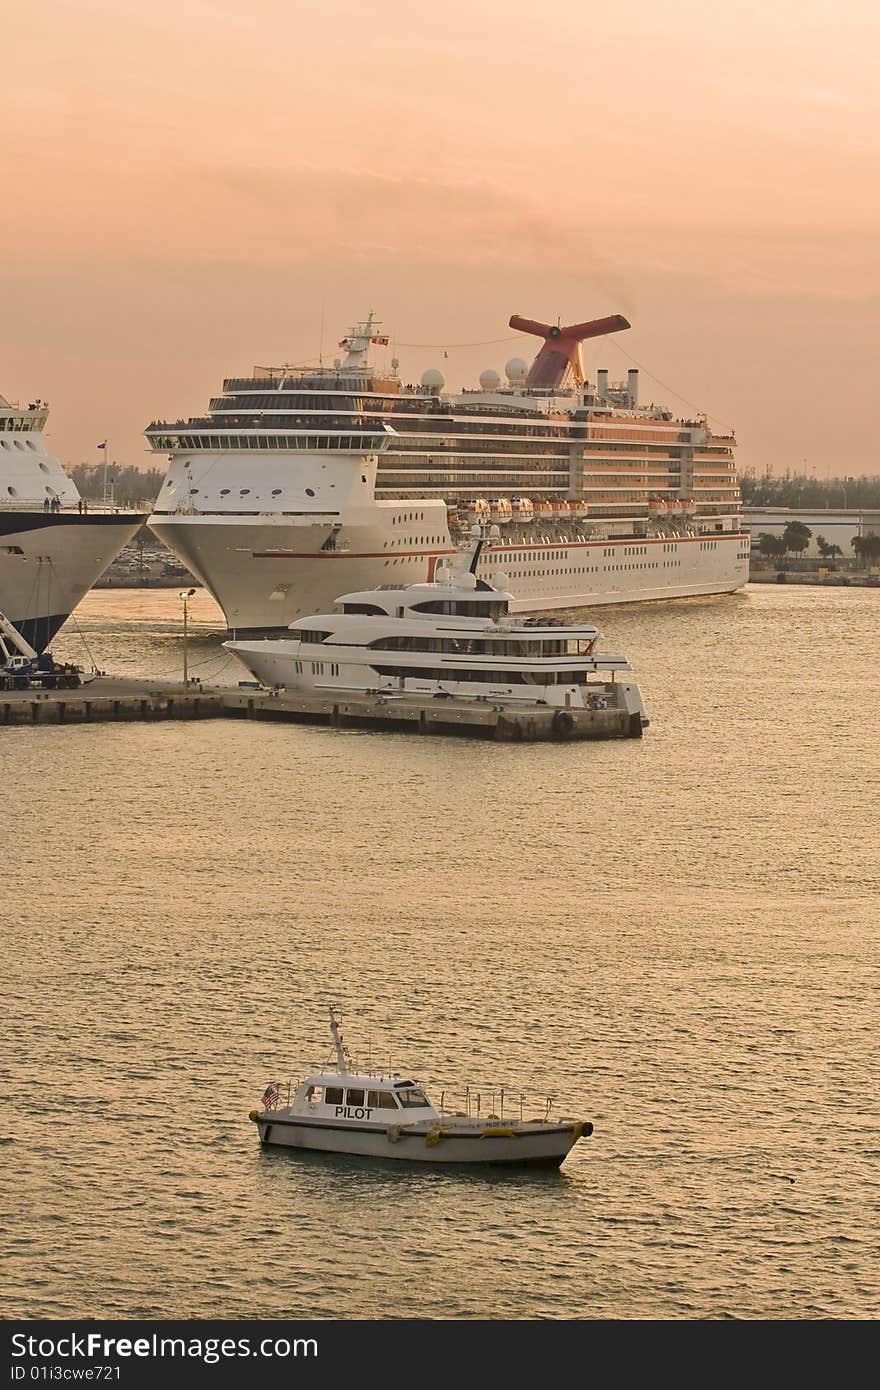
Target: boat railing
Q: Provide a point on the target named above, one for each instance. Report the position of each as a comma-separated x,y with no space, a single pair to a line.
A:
495,1098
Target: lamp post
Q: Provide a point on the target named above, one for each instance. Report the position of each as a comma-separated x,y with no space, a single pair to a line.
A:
186,595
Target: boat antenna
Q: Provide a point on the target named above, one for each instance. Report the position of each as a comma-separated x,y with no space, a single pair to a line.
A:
476,556
343,1059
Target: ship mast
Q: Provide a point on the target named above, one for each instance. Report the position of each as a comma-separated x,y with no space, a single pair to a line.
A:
343,1060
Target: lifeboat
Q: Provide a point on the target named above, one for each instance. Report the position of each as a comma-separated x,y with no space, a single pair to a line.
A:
689,505
523,509
500,510
559,509
477,509
543,510
656,506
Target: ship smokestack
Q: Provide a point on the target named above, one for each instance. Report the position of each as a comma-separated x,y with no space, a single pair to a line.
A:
632,385
602,385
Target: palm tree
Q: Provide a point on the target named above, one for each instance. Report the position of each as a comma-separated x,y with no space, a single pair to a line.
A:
771,547
797,537
867,548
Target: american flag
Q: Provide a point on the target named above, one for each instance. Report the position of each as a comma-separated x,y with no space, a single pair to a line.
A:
270,1096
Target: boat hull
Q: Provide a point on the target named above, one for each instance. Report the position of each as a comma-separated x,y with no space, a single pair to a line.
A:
50,561
542,1146
265,574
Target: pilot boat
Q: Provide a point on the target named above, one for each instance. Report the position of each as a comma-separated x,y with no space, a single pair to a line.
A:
367,1114
453,636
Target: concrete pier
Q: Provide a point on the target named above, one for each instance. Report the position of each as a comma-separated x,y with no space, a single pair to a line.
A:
114,699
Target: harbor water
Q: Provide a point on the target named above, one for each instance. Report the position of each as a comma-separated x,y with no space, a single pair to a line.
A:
673,937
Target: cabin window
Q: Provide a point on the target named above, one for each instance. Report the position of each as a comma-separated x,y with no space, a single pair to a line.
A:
355,1097
315,1094
381,1100
412,1098
333,1095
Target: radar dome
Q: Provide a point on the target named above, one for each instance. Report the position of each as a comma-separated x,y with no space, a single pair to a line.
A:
500,580
434,380
517,370
489,379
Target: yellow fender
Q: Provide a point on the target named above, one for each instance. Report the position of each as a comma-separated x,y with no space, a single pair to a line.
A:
499,1132
433,1137
254,1115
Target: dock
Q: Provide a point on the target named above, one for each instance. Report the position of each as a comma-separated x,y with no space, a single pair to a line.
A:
114,699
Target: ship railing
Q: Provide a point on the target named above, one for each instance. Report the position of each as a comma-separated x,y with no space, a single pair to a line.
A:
91,508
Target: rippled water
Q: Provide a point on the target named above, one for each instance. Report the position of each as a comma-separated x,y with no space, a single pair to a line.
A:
676,938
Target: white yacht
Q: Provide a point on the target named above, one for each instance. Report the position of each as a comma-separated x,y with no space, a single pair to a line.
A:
368,1114
301,482
53,545
454,637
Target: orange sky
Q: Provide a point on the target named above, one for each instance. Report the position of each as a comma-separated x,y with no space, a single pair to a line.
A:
189,186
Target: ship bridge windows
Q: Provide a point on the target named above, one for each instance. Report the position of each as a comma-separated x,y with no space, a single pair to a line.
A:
370,609
312,635
479,608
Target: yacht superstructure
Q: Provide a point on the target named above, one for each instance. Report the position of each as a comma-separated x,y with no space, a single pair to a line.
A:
302,482
52,549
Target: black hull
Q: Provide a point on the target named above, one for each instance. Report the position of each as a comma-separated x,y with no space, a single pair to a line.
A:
39,631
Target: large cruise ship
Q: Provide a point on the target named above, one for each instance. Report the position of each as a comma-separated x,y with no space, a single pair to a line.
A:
53,546
304,483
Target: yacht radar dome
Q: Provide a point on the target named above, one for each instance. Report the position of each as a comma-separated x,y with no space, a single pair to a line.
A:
489,379
516,371
433,379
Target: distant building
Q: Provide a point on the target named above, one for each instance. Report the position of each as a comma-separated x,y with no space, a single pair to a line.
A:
836,525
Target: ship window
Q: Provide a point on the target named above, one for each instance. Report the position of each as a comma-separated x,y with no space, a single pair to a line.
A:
316,1094
310,492
333,1095
224,491
354,1097
276,492
382,1100
243,492
12,492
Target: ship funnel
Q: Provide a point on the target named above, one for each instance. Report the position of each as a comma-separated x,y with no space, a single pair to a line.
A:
559,360
602,384
632,385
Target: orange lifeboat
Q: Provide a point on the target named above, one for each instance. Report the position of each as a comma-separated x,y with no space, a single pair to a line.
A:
500,510
543,510
523,509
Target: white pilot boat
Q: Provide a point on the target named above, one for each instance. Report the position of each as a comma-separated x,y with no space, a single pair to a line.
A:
452,636
370,1114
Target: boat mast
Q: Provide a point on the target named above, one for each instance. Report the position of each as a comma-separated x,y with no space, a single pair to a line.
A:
343,1060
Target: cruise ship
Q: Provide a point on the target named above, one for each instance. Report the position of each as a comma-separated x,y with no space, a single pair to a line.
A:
53,545
303,483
